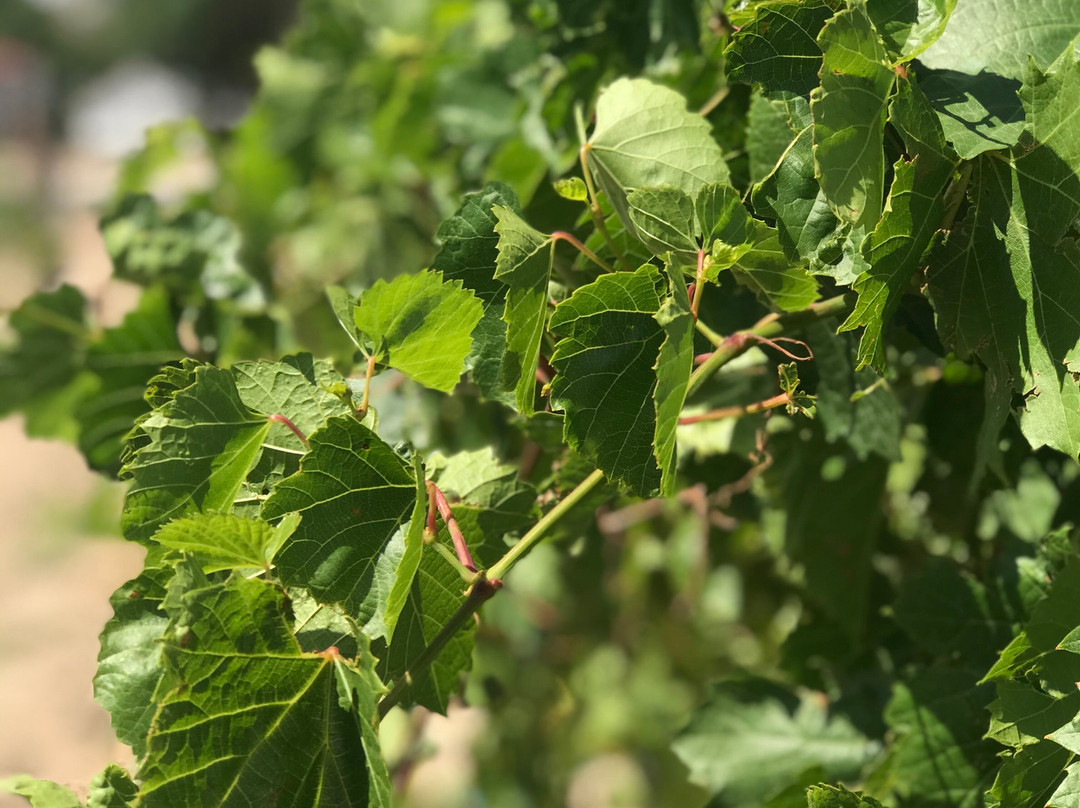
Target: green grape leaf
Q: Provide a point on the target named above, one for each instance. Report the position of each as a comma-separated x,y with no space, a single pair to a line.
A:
112,788
826,796
1067,794
766,270
1006,282
977,64
912,215
281,730
909,27
524,265
343,304
489,502
356,497
645,137
572,188
768,135
195,254
38,368
609,344
870,423
664,220
746,743
222,541
939,718
304,391
129,663
420,325
435,594
1029,777
469,253
779,48
674,364
198,449
122,361
849,117
40,793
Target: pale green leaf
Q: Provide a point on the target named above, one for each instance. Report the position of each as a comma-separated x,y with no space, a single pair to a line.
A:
1006,283
420,325
1067,794
40,793
572,188
849,117
198,449
826,796
749,740
766,270
664,220
222,541
768,134
645,137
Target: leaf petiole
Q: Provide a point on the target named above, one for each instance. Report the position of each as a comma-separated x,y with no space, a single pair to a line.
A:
278,418
562,235
597,213
361,411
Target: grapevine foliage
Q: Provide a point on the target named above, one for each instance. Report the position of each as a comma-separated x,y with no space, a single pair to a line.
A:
767,314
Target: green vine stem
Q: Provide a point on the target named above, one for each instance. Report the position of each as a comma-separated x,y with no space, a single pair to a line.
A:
771,326
485,584
361,411
597,213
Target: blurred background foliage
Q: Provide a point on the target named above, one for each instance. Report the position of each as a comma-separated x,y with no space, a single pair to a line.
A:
797,556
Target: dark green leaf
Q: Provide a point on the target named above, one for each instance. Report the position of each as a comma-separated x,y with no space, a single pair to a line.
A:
293,728
608,347
356,497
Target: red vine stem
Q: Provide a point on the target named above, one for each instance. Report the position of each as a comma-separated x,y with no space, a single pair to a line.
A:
460,545
699,283
771,403
278,418
562,235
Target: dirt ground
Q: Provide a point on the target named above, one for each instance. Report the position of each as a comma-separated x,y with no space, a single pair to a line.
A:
55,580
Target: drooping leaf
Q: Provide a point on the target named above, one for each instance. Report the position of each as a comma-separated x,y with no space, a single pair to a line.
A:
356,497
469,253
645,137
809,231
664,220
853,405
524,265
913,213
129,663
778,49
293,728
746,743
122,362
768,135
673,366
198,450
112,788
420,325
849,111
1005,283
41,363
608,346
